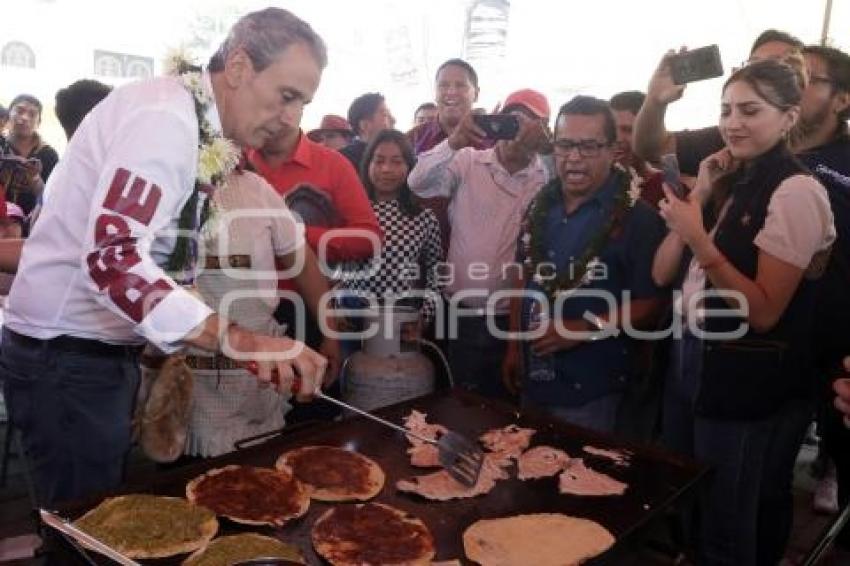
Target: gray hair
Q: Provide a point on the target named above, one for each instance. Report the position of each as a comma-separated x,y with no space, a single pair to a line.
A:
264,34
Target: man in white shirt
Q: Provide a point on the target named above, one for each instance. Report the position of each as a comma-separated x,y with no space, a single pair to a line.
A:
91,288
489,191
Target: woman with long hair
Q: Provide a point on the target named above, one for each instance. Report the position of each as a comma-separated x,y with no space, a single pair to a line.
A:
407,267
744,247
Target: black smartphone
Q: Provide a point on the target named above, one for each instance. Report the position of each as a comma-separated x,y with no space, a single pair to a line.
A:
672,175
696,65
498,126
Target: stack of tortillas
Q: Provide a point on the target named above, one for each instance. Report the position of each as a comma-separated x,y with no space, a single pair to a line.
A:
543,539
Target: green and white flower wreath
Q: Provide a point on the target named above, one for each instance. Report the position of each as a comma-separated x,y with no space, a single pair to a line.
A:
217,158
555,281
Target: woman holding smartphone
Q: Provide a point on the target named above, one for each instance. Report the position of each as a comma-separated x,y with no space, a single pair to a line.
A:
744,247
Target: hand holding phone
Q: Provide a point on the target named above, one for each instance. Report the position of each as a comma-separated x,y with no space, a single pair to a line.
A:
466,133
498,126
672,175
696,65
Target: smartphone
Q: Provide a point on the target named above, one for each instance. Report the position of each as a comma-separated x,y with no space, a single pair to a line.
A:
498,126
696,65
672,176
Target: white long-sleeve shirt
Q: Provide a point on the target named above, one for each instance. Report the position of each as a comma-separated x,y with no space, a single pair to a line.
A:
92,267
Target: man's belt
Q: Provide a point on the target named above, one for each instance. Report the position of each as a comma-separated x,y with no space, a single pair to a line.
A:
212,362
74,344
231,261
194,362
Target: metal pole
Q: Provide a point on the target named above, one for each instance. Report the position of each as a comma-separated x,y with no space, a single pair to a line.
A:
827,14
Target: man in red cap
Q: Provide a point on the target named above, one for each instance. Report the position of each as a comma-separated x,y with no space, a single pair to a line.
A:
488,190
334,132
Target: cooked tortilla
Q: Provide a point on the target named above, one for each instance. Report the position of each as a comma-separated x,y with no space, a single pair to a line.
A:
578,479
334,474
225,551
543,539
372,533
541,462
250,495
148,526
441,486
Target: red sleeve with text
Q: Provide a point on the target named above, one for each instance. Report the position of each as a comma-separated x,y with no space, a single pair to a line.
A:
143,185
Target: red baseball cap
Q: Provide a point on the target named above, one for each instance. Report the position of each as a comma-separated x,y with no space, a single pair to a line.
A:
530,99
332,123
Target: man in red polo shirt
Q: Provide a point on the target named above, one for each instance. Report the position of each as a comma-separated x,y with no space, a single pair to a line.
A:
291,161
303,170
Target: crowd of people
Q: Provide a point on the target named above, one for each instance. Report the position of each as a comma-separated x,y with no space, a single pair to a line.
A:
559,266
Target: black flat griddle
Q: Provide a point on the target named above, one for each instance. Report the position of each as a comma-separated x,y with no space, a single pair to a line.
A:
657,479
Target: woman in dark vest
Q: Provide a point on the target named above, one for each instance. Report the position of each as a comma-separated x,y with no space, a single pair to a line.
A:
743,247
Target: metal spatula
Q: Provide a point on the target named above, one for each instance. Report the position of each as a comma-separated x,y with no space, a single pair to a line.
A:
461,457
69,530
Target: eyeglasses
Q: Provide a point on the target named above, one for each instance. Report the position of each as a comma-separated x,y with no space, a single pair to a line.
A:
586,148
814,79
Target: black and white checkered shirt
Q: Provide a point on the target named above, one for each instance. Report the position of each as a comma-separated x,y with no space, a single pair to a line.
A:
408,260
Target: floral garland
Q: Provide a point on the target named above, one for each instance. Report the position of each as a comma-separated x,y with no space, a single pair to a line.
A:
552,280
217,157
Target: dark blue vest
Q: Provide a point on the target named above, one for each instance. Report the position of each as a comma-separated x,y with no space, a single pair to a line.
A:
754,376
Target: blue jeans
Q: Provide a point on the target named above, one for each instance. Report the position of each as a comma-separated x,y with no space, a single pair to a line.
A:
599,415
745,511
74,411
475,357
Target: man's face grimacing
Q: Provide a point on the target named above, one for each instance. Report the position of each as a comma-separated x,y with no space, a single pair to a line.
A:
583,155
261,105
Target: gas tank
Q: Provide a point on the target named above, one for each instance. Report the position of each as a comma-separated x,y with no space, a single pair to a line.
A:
389,369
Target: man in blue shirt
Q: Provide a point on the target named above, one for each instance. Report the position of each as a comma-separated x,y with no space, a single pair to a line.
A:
587,246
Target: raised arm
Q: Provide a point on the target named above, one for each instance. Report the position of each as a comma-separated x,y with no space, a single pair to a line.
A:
651,139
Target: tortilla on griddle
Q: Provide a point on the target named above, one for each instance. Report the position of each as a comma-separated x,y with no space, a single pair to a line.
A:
225,551
250,495
148,526
372,533
542,539
333,474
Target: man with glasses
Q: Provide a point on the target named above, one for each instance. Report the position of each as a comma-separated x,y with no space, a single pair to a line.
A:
585,213
488,189
821,141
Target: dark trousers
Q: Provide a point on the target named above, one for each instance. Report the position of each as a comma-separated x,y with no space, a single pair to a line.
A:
475,357
745,511
74,410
